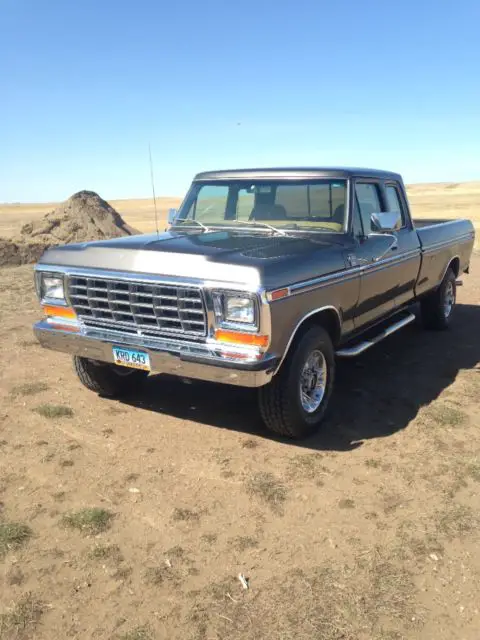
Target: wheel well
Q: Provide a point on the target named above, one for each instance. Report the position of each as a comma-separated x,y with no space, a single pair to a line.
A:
455,266
327,318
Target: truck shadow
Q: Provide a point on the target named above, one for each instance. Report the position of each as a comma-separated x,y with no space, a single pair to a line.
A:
376,394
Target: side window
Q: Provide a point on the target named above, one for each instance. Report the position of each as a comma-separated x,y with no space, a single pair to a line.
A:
357,226
211,203
368,199
394,201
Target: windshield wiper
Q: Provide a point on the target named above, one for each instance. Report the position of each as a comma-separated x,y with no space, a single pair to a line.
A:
303,228
200,224
256,223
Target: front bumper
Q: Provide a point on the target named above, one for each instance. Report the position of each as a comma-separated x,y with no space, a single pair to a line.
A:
186,360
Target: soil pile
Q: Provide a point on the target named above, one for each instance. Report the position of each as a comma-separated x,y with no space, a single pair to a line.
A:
83,217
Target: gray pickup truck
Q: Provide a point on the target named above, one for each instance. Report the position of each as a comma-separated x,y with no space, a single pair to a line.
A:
263,279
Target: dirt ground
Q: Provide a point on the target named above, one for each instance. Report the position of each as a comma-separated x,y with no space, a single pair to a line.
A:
133,520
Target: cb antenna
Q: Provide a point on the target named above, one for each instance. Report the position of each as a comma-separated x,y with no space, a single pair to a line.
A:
153,188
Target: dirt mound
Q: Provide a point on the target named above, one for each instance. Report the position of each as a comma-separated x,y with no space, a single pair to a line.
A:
83,217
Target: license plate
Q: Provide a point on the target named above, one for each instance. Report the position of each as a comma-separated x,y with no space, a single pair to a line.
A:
131,358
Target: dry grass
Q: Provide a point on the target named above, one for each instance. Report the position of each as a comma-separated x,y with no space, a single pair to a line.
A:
373,598
20,621
90,521
242,543
269,489
250,443
53,411
446,416
156,576
13,535
306,466
29,388
106,552
185,515
457,520
139,633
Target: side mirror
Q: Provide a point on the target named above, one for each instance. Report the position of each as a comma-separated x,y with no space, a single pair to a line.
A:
386,221
172,214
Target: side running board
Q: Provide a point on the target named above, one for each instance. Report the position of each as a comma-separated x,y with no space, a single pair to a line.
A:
357,349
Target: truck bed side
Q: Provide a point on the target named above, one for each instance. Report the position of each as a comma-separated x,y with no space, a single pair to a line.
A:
443,242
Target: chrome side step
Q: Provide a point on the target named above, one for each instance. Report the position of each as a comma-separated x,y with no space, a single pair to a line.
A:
356,350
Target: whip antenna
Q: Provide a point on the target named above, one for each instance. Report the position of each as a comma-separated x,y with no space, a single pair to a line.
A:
153,188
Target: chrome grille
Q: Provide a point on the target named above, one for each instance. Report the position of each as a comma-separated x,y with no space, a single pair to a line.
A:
147,309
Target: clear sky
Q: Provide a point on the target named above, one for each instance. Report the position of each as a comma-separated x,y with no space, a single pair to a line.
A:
86,85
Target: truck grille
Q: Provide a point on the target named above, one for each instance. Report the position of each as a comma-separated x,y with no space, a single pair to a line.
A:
135,307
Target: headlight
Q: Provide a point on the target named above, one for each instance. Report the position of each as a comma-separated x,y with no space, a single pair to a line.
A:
239,310
235,309
51,287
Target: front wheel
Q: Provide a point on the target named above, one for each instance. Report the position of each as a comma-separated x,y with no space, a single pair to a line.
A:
437,307
109,380
294,403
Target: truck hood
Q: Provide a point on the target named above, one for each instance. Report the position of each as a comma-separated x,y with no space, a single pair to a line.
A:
241,258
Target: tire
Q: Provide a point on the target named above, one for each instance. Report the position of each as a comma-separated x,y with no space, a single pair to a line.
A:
437,308
280,401
108,380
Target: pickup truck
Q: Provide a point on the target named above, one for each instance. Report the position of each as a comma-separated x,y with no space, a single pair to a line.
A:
263,278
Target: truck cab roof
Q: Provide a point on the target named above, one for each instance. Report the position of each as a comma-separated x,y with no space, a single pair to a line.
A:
296,173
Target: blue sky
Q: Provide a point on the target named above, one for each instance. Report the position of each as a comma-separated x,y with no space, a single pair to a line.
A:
87,85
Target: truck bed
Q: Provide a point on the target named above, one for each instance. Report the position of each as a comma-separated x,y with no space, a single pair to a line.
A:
443,242
434,232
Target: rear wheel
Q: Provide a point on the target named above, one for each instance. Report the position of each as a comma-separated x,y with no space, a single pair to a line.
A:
108,380
294,403
438,307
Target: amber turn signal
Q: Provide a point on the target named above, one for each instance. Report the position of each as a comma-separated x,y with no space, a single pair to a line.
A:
66,313
236,337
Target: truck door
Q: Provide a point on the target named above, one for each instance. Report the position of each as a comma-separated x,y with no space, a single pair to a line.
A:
405,269
377,286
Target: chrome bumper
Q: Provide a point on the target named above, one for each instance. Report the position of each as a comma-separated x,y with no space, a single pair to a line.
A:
186,360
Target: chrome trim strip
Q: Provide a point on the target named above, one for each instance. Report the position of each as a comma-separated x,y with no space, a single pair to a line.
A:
352,352
299,324
348,274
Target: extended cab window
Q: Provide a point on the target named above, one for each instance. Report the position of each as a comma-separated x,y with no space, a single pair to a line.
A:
394,201
368,202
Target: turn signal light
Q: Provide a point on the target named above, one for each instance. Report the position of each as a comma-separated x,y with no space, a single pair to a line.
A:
236,337
66,313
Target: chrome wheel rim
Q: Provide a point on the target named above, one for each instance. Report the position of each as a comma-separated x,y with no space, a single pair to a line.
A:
313,381
449,299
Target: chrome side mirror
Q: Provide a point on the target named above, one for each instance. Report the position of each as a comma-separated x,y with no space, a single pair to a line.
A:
172,214
386,221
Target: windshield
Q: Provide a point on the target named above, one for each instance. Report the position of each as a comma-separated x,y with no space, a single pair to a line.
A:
315,205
